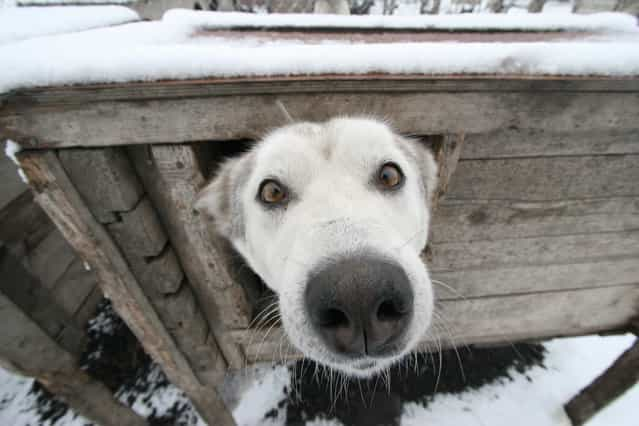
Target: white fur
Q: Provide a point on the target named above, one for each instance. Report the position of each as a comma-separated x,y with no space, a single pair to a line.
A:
335,211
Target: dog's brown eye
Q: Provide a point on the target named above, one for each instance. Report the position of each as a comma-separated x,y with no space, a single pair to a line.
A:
271,192
390,176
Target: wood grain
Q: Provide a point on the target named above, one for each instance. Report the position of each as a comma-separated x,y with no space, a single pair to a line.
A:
477,220
531,279
250,116
173,178
116,190
546,178
534,251
57,370
60,199
505,143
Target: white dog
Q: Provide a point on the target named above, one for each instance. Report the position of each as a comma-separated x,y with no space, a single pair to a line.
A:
333,218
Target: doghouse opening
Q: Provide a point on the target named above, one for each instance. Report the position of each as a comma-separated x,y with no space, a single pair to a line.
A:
211,155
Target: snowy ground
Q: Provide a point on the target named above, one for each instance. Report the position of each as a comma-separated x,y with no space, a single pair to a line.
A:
531,398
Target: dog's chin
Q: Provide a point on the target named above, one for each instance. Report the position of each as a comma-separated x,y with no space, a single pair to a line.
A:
364,367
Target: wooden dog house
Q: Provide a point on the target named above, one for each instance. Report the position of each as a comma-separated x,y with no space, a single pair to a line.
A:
537,219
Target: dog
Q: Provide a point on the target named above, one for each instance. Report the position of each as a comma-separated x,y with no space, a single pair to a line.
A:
333,217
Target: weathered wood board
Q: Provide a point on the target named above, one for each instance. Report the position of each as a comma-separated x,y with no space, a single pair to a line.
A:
59,198
57,370
201,110
173,177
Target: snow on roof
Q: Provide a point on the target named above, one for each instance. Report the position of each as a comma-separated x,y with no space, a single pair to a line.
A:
19,23
70,2
175,48
470,21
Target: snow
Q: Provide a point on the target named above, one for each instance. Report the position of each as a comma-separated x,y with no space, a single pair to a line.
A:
609,21
19,23
71,2
10,150
159,401
166,49
18,404
266,391
570,365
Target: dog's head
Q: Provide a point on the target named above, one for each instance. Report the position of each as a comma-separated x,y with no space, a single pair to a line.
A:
333,217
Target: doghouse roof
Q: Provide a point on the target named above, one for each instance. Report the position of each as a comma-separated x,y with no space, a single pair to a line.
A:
195,45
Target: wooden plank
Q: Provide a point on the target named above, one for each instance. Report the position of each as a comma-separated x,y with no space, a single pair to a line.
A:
172,176
117,189
88,308
251,116
546,178
139,231
59,198
503,319
11,186
534,251
158,275
31,352
183,318
23,221
143,242
38,301
51,258
29,295
73,288
504,143
21,100
531,279
140,236
617,379
446,150
473,220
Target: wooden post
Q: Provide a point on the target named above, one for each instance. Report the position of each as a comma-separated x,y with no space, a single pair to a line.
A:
31,351
617,379
137,231
172,176
59,198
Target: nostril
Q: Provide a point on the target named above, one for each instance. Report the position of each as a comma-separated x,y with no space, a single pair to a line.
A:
391,310
332,318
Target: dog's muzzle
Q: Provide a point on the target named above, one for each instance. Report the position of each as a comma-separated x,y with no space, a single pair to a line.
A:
360,306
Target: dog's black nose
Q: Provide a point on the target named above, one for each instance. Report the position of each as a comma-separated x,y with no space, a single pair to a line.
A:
360,305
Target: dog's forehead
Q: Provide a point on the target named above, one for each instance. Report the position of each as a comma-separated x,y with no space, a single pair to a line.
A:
309,144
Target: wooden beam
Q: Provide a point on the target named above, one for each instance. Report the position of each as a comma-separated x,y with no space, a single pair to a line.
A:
616,380
579,248
446,150
21,100
535,278
184,119
117,190
505,143
546,178
480,220
144,244
31,351
173,178
33,297
58,197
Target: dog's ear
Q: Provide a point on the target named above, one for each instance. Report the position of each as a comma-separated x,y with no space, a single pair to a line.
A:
422,155
219,200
